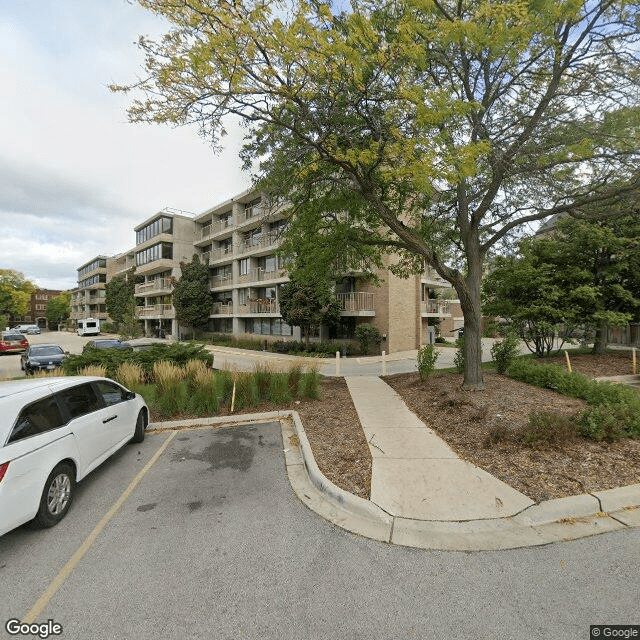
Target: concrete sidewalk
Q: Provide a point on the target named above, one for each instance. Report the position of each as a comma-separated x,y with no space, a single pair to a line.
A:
415,474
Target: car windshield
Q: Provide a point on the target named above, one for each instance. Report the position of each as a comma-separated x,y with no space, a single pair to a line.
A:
13,337
46,351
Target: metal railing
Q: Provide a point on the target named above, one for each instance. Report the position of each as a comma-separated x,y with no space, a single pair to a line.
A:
155,311
356,301
222,308
159,284
220,280
264,240
261,305
250,213
436,306
216,226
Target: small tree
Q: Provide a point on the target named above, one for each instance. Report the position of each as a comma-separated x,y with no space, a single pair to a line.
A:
308,305
367,335
119,300
192,296
427,357
58,309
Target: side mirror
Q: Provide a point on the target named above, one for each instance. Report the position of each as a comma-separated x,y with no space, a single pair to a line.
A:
128,395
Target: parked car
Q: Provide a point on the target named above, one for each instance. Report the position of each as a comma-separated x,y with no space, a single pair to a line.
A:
13,342
42,357
53,432
106,343
29,329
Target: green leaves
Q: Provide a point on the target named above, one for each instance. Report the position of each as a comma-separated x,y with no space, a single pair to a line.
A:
192,296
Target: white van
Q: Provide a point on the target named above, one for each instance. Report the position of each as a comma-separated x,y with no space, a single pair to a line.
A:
88,327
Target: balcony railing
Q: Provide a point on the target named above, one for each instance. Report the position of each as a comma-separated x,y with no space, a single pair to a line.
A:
155,311
436,306
250,213
261,305
356,301
222,308
160,284
264,240
216,227
219,253
220,280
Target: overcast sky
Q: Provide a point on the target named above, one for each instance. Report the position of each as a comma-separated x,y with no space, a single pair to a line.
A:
75,176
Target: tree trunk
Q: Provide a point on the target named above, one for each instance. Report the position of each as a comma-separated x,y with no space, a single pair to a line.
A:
471,310
600,342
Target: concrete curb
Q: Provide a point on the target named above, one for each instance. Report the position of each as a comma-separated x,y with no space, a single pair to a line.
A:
551,521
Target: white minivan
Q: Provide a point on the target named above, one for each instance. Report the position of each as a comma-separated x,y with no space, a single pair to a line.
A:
53,432
88,327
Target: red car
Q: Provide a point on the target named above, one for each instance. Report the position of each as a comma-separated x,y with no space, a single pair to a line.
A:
12,342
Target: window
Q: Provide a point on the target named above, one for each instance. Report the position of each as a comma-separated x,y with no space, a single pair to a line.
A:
163,224
79,401
160,251
243,296
244,267
38,417
111,393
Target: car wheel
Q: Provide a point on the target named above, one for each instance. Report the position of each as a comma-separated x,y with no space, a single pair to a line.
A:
141,425
57,496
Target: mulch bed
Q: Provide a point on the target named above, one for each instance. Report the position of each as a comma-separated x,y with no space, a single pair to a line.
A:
479,427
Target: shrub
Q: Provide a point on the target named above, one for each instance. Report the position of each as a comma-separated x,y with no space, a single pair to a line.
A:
614,410
310,384
505,351
130,375
279,392
93,370
610,423
178,353
427,357
548,428
458,358
440,340
171,393
367,335
295,374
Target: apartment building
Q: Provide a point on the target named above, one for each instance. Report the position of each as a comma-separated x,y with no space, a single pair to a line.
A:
163,241
240,237
88,299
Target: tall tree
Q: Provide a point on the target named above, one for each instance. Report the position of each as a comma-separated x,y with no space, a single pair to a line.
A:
192,295
58,309
433,129
15,293
308,305
583,274
119,297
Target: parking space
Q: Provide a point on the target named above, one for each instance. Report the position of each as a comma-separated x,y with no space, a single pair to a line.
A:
212,543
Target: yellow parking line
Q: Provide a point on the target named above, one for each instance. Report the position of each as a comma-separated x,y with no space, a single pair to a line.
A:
64,573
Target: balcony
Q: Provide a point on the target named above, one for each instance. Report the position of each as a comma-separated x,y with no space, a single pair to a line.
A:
432,279
216,227
250,213
220,281
160,285
260,306
218,254
156,311
155,266
357,303
222,309
266,240
435,309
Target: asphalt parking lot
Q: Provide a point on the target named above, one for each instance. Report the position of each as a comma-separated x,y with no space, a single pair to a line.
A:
212,543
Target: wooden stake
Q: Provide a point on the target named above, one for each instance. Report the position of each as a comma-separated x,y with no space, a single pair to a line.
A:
233,396
634,367
566,355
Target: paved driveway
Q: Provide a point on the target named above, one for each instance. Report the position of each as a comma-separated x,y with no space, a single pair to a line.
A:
212,543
